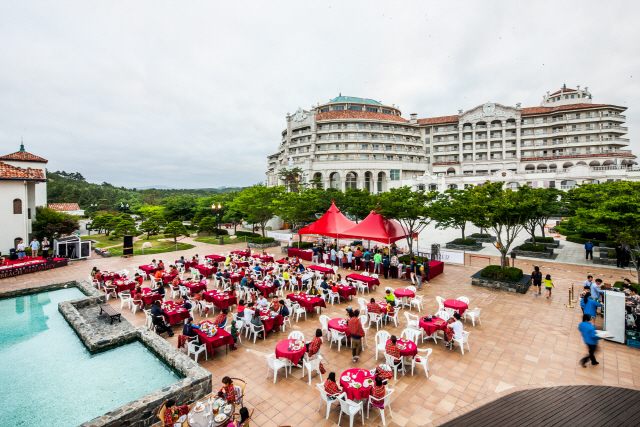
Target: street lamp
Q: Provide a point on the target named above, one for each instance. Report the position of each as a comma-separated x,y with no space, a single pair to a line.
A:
217,210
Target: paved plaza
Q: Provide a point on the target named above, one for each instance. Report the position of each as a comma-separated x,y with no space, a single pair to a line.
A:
524,342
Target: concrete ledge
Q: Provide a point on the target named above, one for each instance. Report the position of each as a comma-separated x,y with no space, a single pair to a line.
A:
547,254
467,248
483,239
520,287
555,244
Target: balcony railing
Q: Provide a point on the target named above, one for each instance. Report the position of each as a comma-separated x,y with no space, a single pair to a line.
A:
578,154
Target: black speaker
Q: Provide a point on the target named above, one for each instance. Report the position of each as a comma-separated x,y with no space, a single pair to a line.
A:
12,254
127,247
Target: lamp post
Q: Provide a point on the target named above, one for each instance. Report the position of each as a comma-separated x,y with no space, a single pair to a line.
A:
217,210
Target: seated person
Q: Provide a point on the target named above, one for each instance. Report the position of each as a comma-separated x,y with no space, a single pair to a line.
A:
251,284
275,304
390,311
228,391
175,283
173,270
284,310
333,286
98,276
161,265
392,350
373,307
257,321
157,317
241,309
248,312
313,347
454,330
154,263
188,328
378,392
180,261
324,285
172,412
137,297
257,268
242,420
390,298
186,303
331,387
158,274
221,320
262,302
244,281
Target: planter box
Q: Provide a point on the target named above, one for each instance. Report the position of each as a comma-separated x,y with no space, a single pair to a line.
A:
555,243
468,248
529,254
264,245
520,287
483,239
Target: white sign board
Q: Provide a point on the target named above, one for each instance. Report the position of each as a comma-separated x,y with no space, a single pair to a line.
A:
282,236
445,256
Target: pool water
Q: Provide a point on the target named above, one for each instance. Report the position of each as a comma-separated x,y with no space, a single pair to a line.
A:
47,377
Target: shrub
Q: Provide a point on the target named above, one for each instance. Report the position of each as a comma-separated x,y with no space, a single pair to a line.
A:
303,245
466,242
612,254
406,259
532,248
540,239
633,286
481,235
247,233
261,239
510,274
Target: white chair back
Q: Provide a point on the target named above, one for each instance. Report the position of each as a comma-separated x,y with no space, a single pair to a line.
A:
382,337
296,335
464,300
440,302
411,288
443,315
450,311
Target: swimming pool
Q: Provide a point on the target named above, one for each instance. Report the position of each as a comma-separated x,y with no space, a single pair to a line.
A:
47,377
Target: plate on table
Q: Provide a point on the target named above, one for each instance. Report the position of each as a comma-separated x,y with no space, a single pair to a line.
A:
227,409
220,417
356,385
199,407
346,378
182,419
367,383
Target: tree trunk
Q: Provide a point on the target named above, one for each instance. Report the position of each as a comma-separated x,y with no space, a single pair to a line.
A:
462,228
503,260
542,229
533,234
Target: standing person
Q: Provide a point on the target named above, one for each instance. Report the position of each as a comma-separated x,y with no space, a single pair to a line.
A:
536,277
349,258
20,250
333,256
46,246
586,285
367,260
357,332
412,270
385,266
588,331
596,289
34,245
588,247
340,257
626,256
314,258
358,256
393,266
377,262
589,306
619,254
548,284
426,269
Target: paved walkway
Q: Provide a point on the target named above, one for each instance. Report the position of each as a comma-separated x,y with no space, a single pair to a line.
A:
523,341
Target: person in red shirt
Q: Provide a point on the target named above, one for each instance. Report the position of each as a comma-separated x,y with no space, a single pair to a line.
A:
373,307
221,320
158,274
378,392
315,344
356,331
161,265
173,412
331,387
138,279
392,350
228,391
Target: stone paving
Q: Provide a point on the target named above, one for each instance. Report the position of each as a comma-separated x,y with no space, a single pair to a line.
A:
523,341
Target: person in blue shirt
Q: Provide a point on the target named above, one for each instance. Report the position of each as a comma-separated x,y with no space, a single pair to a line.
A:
243,282
588,247
589,306
596,289
588,331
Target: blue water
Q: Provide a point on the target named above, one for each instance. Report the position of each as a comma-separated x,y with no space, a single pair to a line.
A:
48,378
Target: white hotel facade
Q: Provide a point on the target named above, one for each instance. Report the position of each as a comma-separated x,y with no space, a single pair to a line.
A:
362,143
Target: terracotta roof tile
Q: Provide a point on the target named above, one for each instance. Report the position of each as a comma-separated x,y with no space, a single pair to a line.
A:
368,115
540,110
565,90
23,156
438,120
63,207
14,172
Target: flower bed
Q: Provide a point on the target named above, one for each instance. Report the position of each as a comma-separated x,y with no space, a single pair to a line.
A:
533,251
483,237
552,244
517,286
464,245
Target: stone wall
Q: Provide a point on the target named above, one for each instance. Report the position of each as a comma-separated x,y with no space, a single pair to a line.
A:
520,287
548,254
555,244
483,239
264,245
468,248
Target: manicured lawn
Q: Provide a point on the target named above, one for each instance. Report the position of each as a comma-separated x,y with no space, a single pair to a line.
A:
213,241
103,240
158,247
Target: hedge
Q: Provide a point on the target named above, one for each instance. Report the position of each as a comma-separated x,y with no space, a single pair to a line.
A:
248,234
261,239
532,248
221,232
466,242
303,245
633,286
481,235
575,238
612,254
510,274
540,239
406,259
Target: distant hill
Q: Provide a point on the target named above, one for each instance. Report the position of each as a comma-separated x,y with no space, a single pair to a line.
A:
157,187
222,189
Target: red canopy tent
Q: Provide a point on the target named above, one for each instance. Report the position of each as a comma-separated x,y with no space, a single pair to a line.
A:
332,224
375,227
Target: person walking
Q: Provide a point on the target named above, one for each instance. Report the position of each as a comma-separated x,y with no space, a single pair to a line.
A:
356,331
626,256
588,247
548,284
536,277
385,266
619,255
412,270
377,261
588,331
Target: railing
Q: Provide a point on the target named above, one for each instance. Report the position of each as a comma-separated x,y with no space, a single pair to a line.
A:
567,187
578,154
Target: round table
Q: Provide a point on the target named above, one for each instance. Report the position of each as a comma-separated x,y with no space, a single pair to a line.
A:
432,327
411,348
335,324
456,305
282,350
200,419
356,393
404,294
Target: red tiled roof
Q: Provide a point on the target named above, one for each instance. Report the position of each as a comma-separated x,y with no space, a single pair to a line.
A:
540,110
23,156
563,90
368,115
63,207
438,120
14,172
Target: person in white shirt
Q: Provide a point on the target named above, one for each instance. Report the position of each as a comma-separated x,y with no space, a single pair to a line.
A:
349,259
20,249
262,302
456,328
340,256
306,277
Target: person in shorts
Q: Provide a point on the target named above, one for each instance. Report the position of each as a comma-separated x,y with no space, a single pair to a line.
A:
35,246
536,277
548,284
20,250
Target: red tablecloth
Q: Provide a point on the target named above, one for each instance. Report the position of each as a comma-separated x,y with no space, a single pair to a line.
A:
220,339
242,264
167,278
241,253
370,281
264,258
220,299
109,276
346,291
435,268
410,350
457,305
148,297
270,322
320,269
300,253
187,264
172,314
236,278
266,289
218,258
335,324
282,261
124,285
404,293
206,271
195,287
436,324
360,376
150,270
282,350
307,302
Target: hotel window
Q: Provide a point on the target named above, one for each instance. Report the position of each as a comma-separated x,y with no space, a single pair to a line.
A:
364,146
335,126
427,131
354,108
375,126
427,140
364,156
395,174
386,111
324,110
362,136
388,147
373,110
17,207
389,157
376,146
400,158
321,157
385,127
362,126
375,136
336,136
338,108
377,157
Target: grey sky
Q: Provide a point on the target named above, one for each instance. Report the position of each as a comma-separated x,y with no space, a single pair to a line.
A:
194,94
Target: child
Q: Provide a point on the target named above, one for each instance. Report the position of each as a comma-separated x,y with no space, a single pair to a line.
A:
548,284
240,308
234,334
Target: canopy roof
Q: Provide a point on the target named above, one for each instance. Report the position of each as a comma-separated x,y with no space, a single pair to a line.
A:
375,227
332,224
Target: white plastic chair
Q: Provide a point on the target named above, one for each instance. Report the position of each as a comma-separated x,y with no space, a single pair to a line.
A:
474,314
337,336
328,399
440,303
394,317
296,335
386,403
362,287
411,288
255,330
276,365
422,358
324,321
462,341
238,325
381,341
389,360
443,315
298,310
413,321
464,300
148,320
418,300
363,305
450,311
311,365
286,320
194,349
204,305
125,299
364,273
375,318
365,328
410,334
350,408
333,297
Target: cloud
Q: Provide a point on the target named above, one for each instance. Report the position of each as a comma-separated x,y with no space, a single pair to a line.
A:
195,94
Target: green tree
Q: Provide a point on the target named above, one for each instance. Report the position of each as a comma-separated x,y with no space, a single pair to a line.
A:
359,203
112,224
147,211
207,225
410,208
328,196
256,204
453,209
180,208
53,224
232,214
174,230
159,220
296,208
545,202
125,226
150,228
292,178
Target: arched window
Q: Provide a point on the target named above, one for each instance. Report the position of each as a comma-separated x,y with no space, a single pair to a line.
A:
318,178
420,187
368,178
594,163
17,207
334,181
352,180
512,185
451,171
567,165
542,166
453,186
529,167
